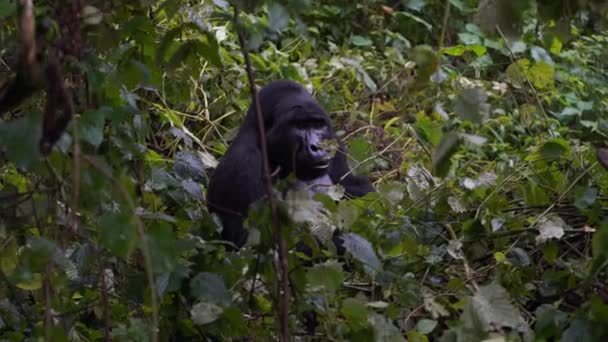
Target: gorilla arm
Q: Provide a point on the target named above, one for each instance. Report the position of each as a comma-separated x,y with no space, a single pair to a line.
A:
235,184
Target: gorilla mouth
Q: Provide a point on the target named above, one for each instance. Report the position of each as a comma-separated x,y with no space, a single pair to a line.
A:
322,165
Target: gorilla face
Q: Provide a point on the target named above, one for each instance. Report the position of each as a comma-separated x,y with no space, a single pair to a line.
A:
298,141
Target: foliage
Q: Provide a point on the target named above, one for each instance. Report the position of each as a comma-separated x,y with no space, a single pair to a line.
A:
486,146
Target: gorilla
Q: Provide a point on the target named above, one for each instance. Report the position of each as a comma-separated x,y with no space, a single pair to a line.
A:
296,128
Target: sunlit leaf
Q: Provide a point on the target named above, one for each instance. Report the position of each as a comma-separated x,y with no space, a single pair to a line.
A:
550,229
205,313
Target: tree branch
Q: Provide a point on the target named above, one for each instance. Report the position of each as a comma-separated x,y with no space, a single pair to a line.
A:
281,245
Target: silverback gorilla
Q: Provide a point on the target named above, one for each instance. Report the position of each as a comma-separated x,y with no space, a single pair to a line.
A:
296,126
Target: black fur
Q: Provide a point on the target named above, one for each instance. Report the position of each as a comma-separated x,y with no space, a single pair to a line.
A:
294,121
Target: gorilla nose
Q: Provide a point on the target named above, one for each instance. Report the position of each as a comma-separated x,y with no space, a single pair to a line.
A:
316,151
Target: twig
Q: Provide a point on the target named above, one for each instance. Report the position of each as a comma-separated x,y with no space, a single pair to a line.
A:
468,271
538,101
76,176
446,16
284,297
105,305
144,244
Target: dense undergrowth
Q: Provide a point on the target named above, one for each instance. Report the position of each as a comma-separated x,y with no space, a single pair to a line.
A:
486,147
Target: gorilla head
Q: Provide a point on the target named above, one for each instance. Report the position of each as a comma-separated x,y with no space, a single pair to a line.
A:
298,132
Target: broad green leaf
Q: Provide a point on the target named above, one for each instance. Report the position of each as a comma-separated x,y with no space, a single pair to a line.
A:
359,149
384,329
117,233
516,72
428,130
20,138
541,75
585,198
210,288
205,313
32,283
188,165
363,251
456,50
355,312
427,61
555,149
91,126
223,4
328,275
426,326
472,104
361,41
579,330
444,152
550,229
491,310
163,246
278,18
7,8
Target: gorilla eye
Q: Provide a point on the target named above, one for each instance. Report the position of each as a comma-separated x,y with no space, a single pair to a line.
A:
310,124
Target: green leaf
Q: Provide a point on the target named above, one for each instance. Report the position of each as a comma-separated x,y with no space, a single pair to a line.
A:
278,17
361,41
442,157
116,233
209,287
91,125
7,8
428,130
426,326
363,251
328,275
188,165
586,198
472,105
209,50
355,312
427,61
205,313
600,242
163,246
579,330
542,75
555,149
384,329
223,4
20,139
491,310
360,149
456,50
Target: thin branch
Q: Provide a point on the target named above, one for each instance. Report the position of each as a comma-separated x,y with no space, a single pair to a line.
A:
536,96
144,244
284,290
446,16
